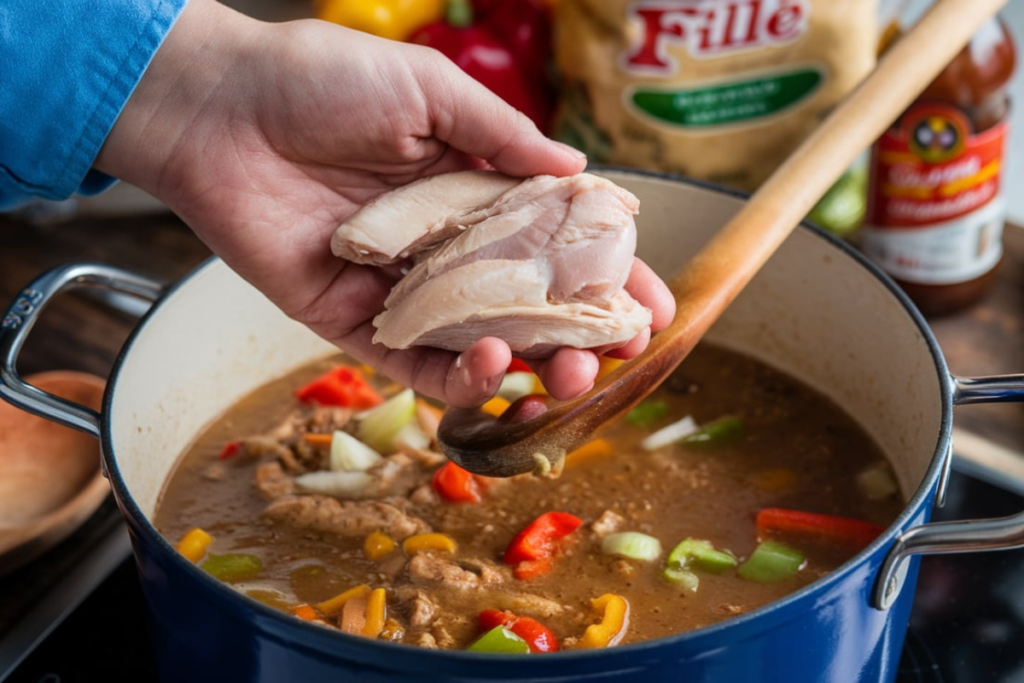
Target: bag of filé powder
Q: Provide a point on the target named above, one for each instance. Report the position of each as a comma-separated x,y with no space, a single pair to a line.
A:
719,90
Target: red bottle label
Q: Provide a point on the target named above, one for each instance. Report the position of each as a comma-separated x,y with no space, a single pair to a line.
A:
935,213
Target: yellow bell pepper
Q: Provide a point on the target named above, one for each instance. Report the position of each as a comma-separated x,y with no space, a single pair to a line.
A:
432,541
376,613
612,627
193,545
393,19
496,406
334,605
377,545
598,448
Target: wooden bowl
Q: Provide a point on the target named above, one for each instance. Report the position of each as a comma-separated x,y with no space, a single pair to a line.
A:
50,478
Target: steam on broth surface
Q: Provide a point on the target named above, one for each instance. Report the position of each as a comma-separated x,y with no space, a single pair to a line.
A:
772,483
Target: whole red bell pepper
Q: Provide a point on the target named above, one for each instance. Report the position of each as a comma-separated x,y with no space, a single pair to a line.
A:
477,50
525,27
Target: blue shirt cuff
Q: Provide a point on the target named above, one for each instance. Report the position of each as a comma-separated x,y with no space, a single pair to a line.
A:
69,66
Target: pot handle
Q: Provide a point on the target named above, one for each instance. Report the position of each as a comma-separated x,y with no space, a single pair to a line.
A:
21,315
940,538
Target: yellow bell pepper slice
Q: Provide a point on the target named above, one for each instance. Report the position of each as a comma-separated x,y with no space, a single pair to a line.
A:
392,19
496,406
376,613
193,545
377,545
329,608
424,542
592,449
614,621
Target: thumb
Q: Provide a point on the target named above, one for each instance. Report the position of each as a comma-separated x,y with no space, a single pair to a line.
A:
473,120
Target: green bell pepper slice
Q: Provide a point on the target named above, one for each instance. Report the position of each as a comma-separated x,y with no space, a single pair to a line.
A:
500,640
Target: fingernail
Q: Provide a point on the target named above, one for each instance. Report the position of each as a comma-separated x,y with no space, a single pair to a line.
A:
576,154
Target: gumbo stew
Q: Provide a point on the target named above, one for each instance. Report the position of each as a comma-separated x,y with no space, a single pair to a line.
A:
322,495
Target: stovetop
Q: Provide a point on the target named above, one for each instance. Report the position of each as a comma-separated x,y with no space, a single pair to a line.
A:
967,625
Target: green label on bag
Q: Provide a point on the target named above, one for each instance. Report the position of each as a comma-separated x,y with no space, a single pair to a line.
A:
728,103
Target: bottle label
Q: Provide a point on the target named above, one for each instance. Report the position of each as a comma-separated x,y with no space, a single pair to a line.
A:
935,214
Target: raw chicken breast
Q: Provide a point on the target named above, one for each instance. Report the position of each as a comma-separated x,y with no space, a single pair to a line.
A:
540,264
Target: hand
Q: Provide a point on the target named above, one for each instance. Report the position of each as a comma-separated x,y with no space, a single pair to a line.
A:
264,137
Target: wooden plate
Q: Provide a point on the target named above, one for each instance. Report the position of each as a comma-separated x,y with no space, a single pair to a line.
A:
50,479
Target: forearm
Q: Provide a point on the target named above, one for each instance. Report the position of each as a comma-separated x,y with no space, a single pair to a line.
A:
181,86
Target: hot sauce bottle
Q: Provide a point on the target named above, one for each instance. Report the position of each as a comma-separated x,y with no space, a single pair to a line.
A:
935,205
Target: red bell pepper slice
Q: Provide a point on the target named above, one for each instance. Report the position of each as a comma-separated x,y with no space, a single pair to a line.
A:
456,484
854,533
538,636
537,542
518,365
343,386
230,450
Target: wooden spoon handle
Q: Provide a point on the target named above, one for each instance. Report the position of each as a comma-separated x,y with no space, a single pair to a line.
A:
711,280
720,271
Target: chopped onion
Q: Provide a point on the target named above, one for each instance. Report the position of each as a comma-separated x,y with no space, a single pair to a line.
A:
349,454
378,426
411,435
337,484
632,544
877,483
670,434
515,385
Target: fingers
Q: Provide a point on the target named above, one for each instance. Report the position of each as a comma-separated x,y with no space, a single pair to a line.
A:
568,373
651,291
474,120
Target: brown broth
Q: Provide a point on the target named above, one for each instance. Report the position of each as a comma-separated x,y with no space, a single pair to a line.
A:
798,450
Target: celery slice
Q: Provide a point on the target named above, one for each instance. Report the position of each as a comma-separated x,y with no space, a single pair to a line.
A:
670,434
771,561
694,553
647,413
233,566
715,433
378,426
683,578
349,454
632,544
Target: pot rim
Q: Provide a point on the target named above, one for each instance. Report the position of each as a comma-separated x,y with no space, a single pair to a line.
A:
368,650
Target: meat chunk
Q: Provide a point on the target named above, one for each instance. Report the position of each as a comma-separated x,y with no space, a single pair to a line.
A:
396,476
418,216
344,518
272,482
431,569
421,608
608,523
543,266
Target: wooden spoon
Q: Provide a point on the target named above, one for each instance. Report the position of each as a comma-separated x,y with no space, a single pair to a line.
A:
50,478
536,433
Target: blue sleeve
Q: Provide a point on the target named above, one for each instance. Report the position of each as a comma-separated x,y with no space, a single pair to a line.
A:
68,67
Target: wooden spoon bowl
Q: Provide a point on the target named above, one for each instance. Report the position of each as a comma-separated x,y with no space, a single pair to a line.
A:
536,434
50,477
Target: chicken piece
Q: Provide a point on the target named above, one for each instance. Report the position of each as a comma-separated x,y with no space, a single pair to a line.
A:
348,518
543,266
418,216
272,482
